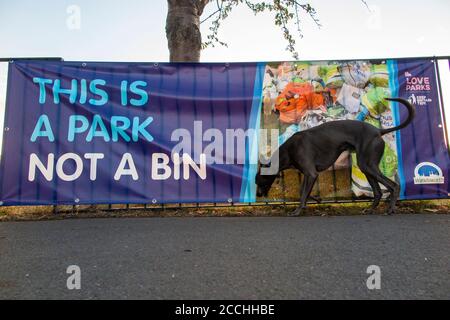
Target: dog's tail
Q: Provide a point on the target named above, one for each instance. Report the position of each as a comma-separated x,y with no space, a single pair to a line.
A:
411,114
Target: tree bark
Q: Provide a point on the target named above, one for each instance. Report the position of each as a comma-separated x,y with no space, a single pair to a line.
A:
183,29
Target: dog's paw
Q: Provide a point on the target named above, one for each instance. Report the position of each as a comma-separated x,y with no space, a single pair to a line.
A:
390,211
295,213
368,211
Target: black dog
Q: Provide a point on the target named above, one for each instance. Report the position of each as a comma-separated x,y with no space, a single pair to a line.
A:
316,149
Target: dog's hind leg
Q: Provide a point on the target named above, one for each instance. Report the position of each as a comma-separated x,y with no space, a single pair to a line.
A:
392,186
306,187
377,194
369,160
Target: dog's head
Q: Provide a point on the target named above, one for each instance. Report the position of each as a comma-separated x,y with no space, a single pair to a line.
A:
263,183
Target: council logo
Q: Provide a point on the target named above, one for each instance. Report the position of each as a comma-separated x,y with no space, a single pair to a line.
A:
428,173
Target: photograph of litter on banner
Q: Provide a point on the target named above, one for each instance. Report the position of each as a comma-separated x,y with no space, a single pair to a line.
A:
301,95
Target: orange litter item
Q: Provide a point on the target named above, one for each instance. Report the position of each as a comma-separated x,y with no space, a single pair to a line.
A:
295,99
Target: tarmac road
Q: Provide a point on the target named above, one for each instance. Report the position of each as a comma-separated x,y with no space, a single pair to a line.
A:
228,258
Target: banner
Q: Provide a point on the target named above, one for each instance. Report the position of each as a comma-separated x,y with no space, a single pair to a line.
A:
90,133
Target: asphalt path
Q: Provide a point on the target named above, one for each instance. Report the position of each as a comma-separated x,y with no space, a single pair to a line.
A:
228,258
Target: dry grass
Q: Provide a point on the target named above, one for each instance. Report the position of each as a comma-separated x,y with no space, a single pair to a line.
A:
67,212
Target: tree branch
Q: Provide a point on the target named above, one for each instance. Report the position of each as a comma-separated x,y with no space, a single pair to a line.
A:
286,11
201,5
219,8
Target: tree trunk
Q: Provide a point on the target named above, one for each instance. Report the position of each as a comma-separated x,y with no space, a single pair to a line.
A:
183,29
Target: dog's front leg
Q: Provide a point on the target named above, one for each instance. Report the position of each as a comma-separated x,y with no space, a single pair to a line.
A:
298,211
305,190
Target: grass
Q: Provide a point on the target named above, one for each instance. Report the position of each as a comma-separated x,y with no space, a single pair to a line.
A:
33,213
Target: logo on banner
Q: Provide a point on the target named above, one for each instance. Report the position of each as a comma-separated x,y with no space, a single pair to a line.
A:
419,100
428,173
417,83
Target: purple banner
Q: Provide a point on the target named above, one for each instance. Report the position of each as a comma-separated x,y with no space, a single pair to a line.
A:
87,133
105,132
424,151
